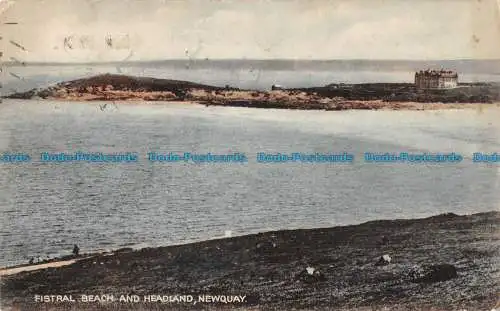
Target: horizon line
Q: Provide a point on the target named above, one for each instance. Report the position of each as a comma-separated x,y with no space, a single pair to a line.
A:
24,63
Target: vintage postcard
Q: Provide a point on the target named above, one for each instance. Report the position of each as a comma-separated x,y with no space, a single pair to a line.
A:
250,155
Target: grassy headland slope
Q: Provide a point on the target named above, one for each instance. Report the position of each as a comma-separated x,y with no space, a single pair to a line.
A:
446,262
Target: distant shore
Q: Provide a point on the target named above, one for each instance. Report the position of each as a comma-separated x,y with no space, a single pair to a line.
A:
445,262
371,96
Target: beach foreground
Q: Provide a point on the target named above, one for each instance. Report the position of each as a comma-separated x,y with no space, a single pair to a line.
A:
369,96
446,262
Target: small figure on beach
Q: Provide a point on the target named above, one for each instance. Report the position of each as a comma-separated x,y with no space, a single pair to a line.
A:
76,250
32,260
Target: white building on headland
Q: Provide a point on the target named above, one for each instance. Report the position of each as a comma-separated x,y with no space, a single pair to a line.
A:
436,79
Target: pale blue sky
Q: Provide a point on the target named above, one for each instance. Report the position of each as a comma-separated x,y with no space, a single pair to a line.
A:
261,29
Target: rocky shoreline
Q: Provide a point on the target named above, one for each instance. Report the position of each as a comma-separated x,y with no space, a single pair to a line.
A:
445,262
374,96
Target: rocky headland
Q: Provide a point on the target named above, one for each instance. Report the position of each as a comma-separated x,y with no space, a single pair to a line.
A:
445,262
372,96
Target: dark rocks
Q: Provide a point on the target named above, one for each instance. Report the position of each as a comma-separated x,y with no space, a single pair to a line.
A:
124,250
384,240
276,87
310,275
45,93
383,260
265,246
180,93
23,95
433,273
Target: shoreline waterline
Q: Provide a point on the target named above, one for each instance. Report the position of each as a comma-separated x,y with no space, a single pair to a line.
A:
407,106
70,259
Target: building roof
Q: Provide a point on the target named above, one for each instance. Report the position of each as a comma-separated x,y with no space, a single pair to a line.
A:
437,73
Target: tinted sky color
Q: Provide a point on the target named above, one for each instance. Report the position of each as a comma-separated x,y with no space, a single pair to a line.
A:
258,29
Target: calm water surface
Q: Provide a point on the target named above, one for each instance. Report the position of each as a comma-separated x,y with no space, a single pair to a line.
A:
47,207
